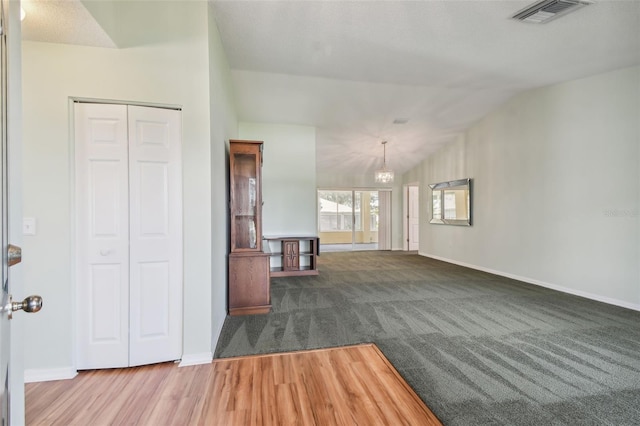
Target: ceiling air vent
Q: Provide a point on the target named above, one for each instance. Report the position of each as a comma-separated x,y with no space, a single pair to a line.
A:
546,10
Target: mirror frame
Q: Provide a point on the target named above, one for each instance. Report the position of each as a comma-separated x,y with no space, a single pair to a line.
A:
441,187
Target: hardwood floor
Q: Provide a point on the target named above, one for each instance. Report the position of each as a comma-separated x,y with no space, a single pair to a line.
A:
353,385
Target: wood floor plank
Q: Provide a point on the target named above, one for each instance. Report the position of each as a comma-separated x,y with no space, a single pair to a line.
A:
338,386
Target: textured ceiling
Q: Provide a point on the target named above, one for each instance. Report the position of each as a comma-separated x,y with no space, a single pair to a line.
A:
351,67
62,21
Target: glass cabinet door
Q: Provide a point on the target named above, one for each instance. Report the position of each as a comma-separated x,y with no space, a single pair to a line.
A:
245,197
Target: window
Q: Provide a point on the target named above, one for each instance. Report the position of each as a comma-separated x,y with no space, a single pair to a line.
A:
335,211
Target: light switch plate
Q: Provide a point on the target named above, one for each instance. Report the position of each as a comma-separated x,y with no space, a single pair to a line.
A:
28,226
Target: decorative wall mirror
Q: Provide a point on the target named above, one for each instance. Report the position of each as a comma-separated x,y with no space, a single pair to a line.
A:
451,202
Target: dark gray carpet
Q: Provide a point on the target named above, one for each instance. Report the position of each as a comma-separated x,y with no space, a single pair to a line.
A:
479,349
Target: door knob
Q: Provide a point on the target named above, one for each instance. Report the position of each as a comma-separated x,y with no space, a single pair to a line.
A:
30,304
14,255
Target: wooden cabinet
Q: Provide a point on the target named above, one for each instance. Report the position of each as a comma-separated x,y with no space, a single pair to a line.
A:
292,255
249,289
245,198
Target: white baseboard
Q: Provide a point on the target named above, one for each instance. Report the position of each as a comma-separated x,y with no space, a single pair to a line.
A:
196,359
567,290
47,375
218,330
66,373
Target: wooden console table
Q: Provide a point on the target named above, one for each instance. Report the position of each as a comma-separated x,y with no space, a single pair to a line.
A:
292,255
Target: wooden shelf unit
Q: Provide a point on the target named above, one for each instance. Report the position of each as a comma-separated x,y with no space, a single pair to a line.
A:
296,255
249,286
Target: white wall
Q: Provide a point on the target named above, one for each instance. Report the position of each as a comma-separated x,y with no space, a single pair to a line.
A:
175,71
288,177
224,126
556,189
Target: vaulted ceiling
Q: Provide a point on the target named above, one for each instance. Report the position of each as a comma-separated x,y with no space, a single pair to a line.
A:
352,68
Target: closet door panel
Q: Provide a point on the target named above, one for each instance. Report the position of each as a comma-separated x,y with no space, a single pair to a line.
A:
153,196
102,235
155,185
154,307
105,295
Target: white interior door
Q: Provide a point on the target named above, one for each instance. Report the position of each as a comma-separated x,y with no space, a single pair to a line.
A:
11,336
102,235
128,235
414,222
155,235
5,328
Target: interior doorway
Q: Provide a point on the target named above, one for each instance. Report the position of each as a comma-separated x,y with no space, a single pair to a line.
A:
354,219
412,218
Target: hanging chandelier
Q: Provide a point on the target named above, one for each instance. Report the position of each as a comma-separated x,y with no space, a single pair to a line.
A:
384,175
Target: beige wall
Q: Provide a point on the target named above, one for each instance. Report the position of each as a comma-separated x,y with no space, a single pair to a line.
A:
224,126
556,189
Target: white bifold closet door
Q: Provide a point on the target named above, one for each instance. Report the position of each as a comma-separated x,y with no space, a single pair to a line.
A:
128,235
